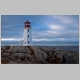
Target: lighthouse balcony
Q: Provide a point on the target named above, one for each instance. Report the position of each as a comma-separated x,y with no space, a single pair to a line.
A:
27,25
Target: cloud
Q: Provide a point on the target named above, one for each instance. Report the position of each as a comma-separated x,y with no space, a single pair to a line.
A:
64,19
55,27
10,39
57,39
45,28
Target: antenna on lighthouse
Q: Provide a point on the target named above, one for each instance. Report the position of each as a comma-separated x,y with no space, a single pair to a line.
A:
27,36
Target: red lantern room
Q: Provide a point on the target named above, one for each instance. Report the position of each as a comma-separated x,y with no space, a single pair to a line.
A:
27,24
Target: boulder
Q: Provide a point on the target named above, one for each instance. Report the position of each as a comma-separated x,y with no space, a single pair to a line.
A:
28,57
6,54
18,54
11,47
45,49
45,55
60,58
22,49
2,48
7,47
52,52
12,57
19,49
69,54
37,53
2,51
56,58
67,58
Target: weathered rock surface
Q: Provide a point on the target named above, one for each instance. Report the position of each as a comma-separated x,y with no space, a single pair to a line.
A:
37,55
7,47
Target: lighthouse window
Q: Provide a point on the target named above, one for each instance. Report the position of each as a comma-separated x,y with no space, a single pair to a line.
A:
28,35
28,30
28,42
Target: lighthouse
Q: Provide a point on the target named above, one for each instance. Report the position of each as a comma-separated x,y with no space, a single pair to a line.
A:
27,35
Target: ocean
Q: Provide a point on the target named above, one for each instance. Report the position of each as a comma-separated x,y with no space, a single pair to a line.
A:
60,46
69,48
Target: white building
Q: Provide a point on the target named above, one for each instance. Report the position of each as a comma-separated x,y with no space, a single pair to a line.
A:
27,36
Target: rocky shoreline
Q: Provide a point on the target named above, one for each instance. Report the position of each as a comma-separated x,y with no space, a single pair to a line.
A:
37,55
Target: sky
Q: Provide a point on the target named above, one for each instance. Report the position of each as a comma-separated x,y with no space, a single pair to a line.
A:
46,29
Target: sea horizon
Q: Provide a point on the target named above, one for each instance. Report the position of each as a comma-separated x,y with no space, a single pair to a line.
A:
42,45
69,47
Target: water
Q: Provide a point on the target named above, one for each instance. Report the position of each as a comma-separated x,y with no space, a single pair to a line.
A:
69,48
62,46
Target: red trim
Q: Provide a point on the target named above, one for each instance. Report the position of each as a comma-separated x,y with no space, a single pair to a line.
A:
27,22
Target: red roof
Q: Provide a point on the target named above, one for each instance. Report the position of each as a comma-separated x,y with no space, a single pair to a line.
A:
27,22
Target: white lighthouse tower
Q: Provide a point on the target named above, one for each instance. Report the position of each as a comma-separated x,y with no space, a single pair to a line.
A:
27,36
